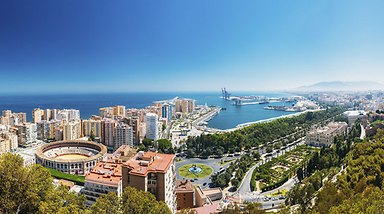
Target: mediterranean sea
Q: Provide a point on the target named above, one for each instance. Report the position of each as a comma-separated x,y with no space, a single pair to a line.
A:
89,104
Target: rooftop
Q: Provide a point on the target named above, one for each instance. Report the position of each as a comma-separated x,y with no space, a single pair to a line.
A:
184,186
144,162
108,173
124,153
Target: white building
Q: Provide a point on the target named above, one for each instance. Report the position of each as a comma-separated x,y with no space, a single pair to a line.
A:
9,118
68,115
37,115
27,133
325,136
8,142
352,116
72,130
123,135
152,126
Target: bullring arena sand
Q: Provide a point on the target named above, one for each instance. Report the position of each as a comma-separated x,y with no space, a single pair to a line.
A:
71,157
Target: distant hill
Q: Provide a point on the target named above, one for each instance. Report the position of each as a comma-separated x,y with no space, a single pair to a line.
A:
343,86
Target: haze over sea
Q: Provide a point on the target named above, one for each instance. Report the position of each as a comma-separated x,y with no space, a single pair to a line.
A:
89,104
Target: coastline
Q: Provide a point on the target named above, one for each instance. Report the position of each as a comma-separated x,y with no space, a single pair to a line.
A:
243,125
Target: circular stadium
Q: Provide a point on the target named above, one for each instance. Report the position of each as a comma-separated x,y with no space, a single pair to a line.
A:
72,157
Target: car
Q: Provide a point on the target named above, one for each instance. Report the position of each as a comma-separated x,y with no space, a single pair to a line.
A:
275,199
192,180
204,184
267,198
281,197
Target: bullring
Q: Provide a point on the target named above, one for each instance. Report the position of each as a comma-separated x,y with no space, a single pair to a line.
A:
72,157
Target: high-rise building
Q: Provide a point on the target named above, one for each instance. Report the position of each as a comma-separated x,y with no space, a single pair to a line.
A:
59,134
37,115
54,114
68,115
46,129
119,111
107,129
47,115
134,122
8,142
184,106
18,119
166,111
27,133
92,127
6,113
154,173
152,126
106,112
110,112
12,119
72,130
43,130
123,135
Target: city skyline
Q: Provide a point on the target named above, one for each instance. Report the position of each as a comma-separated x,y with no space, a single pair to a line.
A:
66,47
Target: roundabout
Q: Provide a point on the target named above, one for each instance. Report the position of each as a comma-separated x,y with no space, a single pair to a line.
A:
195,170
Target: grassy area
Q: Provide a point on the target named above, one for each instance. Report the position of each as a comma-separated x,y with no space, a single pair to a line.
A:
205,171
278,193
279,170
61,175
222,163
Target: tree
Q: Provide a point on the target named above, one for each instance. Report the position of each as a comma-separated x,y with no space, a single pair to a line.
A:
300,174
165,146
13,180
147,142
62,201
107,204
92,136
254,208
137,201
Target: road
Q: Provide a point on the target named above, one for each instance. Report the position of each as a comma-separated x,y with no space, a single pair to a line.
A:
244,192
212,162
245,185
362,135
260,197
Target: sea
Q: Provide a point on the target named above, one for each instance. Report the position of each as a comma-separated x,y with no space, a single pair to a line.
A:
89,104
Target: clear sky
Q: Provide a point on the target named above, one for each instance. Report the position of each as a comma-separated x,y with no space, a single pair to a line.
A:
191,45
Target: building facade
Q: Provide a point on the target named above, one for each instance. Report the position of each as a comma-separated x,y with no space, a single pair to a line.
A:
123,135
152,126
8,142
152,172
27,133
325,136
72,130
105,177
185,194
108,131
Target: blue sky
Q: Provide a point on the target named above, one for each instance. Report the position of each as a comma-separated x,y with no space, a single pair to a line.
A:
122,46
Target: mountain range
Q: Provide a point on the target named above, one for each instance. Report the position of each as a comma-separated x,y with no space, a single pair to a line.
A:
342,86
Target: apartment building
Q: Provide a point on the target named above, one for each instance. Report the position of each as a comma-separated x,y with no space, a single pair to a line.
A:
152,172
